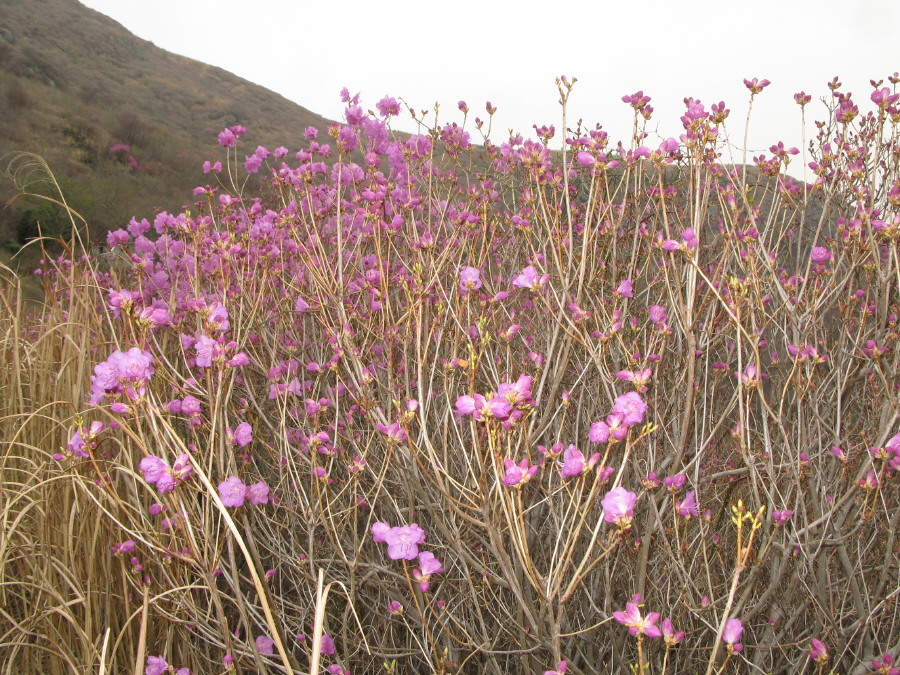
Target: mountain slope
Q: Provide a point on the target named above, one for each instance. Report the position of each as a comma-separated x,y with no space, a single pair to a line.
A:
75,83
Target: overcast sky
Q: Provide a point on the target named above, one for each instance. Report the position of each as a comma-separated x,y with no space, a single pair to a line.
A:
511,53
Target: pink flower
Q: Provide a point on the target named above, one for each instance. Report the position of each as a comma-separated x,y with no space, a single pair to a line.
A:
242,435
402,542
870,482
755,86
674,483
469,279
428,565
393,431
632,408
637,624
395,608
265,645
156,665
820,254
518,474
585,158
818,652
327,645
625,289
122,373
688,507
226,138
232,492
470,405
165,483
518,392
650,481
529,279
153,468
618,506
669,146
388,107
206,351
781,517
182,469
574,463
379,532
258,493
669,635
561,669
749,378
599,432
498,407
731,634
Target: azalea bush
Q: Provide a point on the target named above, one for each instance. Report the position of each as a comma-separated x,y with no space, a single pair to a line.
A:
436,403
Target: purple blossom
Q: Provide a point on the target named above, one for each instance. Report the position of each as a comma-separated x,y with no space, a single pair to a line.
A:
156,665
469,279
674,483
242,434
153,468
632,408
781,517
650,481
625,289
326,646
518,474
731,634
668,633
657,313
190,406
232,492
265,645
388,107
182,469
206,348
428,565
529,279
599,432
818,651
226,138
402,542
258,493
755,86
637,624
688,507
122,373
574,463
518,392
820,254
394,432
618,506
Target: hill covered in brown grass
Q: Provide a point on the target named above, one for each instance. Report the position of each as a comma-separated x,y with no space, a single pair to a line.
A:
74,84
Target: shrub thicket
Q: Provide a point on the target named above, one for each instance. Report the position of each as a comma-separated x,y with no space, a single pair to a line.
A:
422,406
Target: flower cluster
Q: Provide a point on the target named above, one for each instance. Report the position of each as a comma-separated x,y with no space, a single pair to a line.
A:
157,471
233,492
123,373
508,404
628,409
403,544
639,625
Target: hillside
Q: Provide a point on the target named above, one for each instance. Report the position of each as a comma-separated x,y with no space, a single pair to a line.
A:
74,83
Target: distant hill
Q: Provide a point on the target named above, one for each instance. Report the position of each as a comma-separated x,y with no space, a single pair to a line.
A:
74,84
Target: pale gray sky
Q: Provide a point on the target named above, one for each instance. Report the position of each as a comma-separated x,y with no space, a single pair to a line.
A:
510,53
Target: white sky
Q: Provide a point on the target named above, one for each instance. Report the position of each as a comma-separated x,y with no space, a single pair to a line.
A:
511,53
